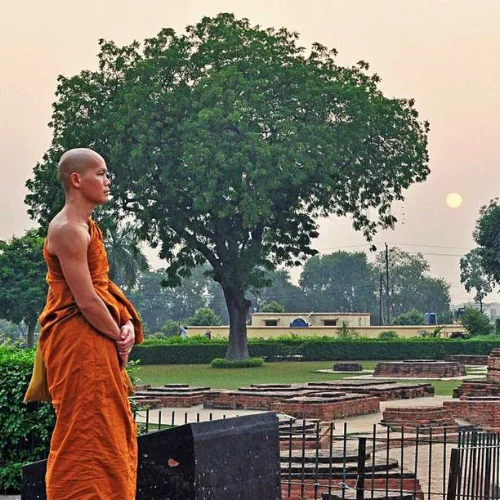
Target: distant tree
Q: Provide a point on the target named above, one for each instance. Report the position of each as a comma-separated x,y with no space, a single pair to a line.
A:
341,281
11,332
497,326
487,236
406,272
157,303
23,288
476,322
171,328
281,290
473,276
204,317
413,317
125,257
228,141
434,295
272,307
409,286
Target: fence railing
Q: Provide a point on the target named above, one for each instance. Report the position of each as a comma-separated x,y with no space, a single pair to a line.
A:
475,468
320,461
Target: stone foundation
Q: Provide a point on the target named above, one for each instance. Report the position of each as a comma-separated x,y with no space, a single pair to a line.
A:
424,418
494,366
385,390
419,369
347,367
468,359
328,407
484,412
171,395
480,399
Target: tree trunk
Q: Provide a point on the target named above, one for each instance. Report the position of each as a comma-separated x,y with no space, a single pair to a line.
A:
30,341
237,307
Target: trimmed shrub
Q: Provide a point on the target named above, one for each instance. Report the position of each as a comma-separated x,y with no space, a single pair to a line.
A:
497,326
204,316
476,322
413,317
272,307
26,428
388,335
245,363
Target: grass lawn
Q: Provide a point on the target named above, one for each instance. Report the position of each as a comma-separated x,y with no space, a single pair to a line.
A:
286,372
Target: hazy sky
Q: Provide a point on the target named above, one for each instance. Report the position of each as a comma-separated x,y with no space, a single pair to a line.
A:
443,53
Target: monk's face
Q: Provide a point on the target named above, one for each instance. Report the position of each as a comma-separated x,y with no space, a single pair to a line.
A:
95,182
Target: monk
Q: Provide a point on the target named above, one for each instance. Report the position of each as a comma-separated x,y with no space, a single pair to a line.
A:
88,328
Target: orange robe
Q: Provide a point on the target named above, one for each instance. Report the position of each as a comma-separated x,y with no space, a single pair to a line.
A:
93,451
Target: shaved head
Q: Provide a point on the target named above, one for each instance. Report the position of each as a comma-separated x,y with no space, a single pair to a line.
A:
76,161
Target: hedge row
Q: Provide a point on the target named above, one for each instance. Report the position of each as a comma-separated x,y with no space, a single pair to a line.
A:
315,350
25,429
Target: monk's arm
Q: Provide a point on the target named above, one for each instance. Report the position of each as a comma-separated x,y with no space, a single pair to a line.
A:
70,243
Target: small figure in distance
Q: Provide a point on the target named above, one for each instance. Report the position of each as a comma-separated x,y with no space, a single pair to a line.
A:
184,332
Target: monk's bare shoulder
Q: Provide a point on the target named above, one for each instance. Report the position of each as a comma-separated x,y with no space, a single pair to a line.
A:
67,237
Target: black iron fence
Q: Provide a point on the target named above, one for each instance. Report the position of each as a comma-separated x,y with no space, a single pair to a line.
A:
475,467
328,461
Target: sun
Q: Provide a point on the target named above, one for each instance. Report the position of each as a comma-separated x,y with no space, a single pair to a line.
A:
453,200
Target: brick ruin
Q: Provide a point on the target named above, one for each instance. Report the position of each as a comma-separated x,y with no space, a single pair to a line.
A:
420,368
479,400
427,419
347,367
316,400
468,359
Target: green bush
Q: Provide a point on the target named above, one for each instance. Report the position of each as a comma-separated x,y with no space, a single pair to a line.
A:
345,332
170,328
272,307
497,326
246,363
204,316
26,428
476,322
388,335
413,317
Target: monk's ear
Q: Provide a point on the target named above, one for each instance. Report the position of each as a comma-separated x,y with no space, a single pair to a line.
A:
75,180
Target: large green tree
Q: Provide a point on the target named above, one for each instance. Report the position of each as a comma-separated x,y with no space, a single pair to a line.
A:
341,281
23,287
409,285
227,141
473,277
487,236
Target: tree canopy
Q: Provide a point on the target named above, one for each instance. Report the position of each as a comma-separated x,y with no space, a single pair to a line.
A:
340,282
487,236
473,277
23,289
409,285
125,257
226,143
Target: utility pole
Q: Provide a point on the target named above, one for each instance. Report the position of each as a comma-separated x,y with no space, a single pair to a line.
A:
381,300
388,304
